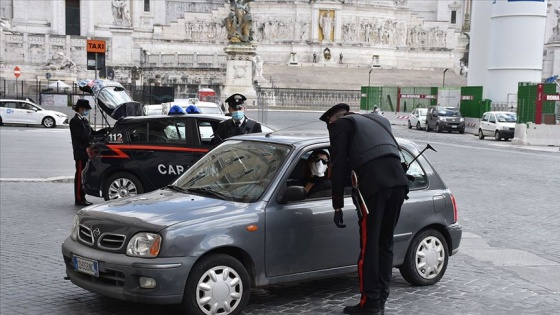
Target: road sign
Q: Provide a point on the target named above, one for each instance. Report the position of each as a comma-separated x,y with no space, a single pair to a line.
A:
48,75
96,46
17,72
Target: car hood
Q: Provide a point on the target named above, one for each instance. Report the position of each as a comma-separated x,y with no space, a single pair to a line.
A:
157,210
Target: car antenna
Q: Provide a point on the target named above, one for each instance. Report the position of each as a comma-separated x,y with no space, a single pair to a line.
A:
428,146
306,123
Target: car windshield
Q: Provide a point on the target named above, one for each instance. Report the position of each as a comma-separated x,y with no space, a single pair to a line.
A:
210,110
507,117
448,112
422,111
236,170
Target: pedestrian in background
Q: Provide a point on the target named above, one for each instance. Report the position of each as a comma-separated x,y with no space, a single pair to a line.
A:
363,146
238,124
81,133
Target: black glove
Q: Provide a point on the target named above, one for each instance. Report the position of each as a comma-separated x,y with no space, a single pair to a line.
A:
338,220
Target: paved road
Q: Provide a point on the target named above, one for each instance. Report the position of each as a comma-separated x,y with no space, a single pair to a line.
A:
508,263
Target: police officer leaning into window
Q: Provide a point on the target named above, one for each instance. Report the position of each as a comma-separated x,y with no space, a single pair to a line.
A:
238,124
365,146
81,133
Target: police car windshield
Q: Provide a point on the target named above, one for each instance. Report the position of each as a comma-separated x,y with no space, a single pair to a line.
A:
236,170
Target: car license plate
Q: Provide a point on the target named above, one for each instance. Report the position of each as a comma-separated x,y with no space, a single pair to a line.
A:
453,126
88,266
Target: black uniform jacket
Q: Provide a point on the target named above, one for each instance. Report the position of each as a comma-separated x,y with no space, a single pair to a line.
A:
81,133
373,176
228,128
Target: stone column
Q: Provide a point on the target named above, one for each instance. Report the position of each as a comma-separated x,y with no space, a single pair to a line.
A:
239,72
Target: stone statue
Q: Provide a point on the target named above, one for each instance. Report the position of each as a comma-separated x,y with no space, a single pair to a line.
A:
258,64
239,22
327,54
326,24
121,13
58,62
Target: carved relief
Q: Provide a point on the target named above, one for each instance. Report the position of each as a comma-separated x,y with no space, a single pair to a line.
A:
121,13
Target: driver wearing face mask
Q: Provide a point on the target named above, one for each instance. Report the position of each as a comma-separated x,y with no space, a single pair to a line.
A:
239,123
318,181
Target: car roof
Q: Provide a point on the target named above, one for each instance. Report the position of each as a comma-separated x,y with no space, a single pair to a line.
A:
498,112
156,117
306,138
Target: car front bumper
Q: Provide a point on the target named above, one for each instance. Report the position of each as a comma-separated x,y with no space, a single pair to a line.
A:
455,232
452,126
119,274
506,133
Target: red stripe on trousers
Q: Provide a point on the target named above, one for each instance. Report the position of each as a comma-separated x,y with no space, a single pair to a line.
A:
79,181
363,236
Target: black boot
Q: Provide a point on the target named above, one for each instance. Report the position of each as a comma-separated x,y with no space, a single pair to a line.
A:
358,310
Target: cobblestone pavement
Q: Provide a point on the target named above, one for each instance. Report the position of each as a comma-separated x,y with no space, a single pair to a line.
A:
508,262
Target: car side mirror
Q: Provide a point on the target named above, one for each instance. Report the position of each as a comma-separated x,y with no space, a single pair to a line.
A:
434,115
293,193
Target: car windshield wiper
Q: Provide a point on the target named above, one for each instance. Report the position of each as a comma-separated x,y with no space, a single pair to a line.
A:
207,191
176,188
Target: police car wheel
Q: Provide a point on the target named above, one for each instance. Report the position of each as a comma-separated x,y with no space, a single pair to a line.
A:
217,284
122,185
426,259
48,122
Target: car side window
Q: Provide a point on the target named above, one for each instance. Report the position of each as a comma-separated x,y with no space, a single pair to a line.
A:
485,117
138,133
417,178
176,132
492,119
206,129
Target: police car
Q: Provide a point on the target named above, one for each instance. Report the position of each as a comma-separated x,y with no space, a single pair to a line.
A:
142,153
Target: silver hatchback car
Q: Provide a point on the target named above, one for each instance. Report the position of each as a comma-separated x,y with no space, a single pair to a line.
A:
239,218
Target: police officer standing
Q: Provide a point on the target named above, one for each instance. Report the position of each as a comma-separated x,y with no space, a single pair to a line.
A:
238,124
81,133
363,145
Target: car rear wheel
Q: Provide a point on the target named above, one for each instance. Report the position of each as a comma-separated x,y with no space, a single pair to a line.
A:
426,259
480,134
497,136
121,185
217,284
48,122
409,125
438,128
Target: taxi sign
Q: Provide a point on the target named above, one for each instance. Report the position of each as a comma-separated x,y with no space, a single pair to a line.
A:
96,46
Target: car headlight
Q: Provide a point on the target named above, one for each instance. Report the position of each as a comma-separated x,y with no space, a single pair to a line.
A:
462,119
61,115
144,245
75,228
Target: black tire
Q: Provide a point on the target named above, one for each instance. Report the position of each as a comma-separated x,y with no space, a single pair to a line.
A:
438,128
409,125
428,248
1,123
234,291
48,122
462,131
418,126
121,185
497,136
428,127
480,134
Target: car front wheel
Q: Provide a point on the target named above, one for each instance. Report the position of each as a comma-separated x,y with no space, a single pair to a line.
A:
426,259
418,127
217,284
409,125
497,136
121,185
48,122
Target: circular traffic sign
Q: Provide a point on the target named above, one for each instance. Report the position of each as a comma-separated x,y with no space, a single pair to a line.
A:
17,72
48,75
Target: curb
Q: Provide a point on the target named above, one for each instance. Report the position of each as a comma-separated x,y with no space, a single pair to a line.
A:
57,179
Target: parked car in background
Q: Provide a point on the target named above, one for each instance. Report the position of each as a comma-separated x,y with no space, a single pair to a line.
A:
28,113
500,125
203,107
442,118
417,118
239,218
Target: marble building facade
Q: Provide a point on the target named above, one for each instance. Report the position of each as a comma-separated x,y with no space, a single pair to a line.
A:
183,42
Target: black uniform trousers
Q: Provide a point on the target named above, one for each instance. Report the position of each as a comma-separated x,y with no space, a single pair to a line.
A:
79,194
375,262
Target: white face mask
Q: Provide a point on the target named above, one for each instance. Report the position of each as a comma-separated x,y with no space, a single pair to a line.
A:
318,169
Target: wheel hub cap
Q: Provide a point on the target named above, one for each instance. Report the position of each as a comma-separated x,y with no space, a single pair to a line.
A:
430,257
219,291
